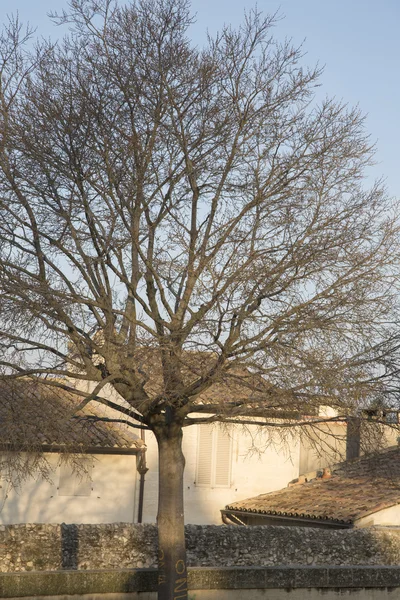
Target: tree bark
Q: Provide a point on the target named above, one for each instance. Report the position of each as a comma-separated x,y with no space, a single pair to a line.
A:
172,573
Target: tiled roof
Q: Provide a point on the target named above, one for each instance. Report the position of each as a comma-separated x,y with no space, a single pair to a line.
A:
33,415
356,489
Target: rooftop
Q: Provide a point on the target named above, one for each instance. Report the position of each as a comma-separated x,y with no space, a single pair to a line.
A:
355,489
34,415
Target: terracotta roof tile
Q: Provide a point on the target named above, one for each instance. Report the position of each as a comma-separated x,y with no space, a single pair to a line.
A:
356,489
33,415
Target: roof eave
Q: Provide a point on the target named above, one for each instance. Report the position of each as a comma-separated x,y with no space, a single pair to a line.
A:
291,519
70,449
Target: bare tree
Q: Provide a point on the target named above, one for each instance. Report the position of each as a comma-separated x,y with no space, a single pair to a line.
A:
188,226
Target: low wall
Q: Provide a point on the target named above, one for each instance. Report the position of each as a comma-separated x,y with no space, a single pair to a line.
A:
210,584
125,546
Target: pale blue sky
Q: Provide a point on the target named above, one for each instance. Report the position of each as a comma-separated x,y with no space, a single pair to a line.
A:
357,40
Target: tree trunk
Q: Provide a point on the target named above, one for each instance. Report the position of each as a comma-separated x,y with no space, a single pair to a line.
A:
172,574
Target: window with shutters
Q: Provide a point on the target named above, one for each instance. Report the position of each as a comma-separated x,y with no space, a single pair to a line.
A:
214,456
76,481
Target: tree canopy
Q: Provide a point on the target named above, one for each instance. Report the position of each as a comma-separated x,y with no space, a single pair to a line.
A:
175,219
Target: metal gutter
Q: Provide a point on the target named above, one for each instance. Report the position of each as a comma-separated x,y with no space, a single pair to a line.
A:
142,470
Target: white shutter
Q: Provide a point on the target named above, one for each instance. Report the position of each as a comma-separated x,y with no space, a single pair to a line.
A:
67,480
204,454
223,457
83,481
214,456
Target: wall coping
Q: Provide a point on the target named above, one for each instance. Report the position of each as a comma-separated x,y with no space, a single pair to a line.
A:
54,583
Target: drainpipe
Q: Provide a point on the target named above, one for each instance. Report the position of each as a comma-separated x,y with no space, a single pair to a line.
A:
142,470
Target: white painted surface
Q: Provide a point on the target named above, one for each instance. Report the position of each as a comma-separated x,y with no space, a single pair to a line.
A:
261,463
387,517
112,498
115,484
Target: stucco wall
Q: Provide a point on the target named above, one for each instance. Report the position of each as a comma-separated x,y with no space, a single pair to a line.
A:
261,463
124,546
322,447
112,498
387,517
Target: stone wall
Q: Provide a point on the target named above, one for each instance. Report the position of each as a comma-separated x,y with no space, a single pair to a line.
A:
124,546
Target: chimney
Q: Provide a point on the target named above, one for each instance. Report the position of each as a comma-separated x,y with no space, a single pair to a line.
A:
326,473
353,437
299,481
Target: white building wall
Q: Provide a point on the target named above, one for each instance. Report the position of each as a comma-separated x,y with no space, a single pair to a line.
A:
112,497
115,484
261,463
386,517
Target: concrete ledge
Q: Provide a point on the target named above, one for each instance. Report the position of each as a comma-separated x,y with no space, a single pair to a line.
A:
293,577
60,583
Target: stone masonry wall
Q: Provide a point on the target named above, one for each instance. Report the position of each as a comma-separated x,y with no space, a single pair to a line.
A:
124,546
